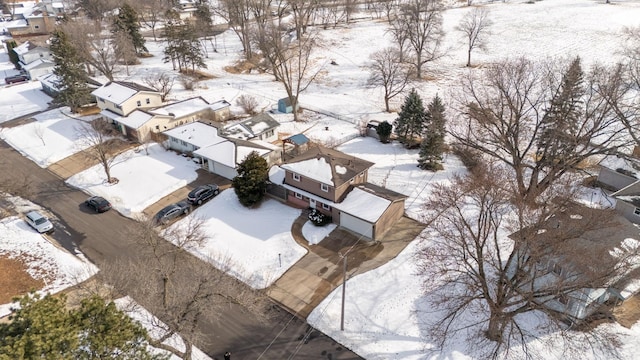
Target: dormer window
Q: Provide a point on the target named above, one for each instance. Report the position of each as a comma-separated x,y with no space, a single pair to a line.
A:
324,187
296,177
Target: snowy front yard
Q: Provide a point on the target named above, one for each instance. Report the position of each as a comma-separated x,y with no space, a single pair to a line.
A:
143,179
255,244
22,99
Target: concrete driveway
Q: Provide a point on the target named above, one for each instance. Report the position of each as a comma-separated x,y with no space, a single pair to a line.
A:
311,279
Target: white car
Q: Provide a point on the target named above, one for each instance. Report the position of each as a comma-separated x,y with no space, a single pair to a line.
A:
38,222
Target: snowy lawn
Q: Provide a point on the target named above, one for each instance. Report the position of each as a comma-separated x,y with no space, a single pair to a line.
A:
315,234
56,267
54,136
396,168
21,99
143,179
152,324
255,244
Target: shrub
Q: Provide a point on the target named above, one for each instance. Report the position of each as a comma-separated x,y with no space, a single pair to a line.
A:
318,218
248,103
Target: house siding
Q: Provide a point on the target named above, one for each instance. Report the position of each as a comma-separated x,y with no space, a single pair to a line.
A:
222,170
131,104
628,211
390,216
310,185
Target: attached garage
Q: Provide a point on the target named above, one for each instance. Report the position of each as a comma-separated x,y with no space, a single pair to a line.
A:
356,225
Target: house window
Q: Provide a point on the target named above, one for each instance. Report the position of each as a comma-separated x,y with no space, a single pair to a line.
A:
298,196
326,207
139,103
637,211
296,177
36,26
361,174
148,101
324,187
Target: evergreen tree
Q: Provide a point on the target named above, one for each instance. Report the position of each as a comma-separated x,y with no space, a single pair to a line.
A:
559,126
384,131
13,57
44,328
127,22
183,48
251,183
72,76
432,145
411,120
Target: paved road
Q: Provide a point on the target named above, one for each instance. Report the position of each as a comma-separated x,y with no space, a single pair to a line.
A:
103,239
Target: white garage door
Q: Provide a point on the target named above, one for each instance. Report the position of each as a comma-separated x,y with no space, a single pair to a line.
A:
356,225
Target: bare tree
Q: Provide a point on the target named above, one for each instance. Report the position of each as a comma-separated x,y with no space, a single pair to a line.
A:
152,12
509,111
160,82
387,71
290,61
97,139
486,285
180,289
419,22
96,49
96,9
302,11
125,51
248,103
238,15
475,27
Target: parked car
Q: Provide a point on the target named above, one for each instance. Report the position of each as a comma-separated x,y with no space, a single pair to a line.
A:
202,194
15,79
98,204
171,212
39,222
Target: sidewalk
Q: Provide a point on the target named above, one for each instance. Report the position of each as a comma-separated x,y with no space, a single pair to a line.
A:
319,272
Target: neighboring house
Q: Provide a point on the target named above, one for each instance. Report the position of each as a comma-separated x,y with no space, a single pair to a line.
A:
122,98
216,153
29,52
259,127
620,175
186,9
38,68
31,18
336,184
49,83
567,254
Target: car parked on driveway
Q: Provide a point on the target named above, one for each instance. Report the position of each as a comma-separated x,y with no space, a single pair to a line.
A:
38,221
202,194
15,79
98,204
171,212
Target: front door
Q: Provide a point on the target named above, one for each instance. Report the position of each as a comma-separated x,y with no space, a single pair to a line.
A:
312,203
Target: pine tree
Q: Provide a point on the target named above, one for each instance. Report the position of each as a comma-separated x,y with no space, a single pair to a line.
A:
411,120
72,76
250,184
127,22
44,328
432,146
559,127
13,57
384,131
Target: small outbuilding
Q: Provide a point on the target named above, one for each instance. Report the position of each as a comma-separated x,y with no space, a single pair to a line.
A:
285,106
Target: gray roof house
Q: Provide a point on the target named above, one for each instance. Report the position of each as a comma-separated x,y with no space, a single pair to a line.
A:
259,127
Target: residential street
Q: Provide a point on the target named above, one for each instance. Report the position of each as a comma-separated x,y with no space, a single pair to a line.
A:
103,239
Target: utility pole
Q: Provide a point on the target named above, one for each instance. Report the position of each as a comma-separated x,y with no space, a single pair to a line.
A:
344,287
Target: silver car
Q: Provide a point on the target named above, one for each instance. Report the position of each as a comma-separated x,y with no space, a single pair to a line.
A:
39,222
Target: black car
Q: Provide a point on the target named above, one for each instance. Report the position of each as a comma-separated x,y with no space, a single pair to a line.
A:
98,203
203,193
15,79
171,212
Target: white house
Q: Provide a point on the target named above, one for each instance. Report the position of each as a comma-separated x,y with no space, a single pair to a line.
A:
122,98
259,127
38,68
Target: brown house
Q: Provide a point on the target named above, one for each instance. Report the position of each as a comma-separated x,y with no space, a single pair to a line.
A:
335,184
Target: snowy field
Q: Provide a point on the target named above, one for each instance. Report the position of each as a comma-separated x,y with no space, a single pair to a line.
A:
54,135
143,179
256,244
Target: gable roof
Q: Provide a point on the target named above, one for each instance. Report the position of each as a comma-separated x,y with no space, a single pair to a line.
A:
252,127
119,91
327,166
182,108
196,133
39,63
134,120
364,205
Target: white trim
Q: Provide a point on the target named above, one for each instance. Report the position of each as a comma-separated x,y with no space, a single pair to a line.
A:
296,177
297,195
324,187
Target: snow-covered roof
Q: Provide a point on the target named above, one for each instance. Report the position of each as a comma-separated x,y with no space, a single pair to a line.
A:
251,127
222,152
196,133
365,205
316,169
182,108
39,63
220,104
24,48
629,165
243,151
134,120
50,80
119,91
276,174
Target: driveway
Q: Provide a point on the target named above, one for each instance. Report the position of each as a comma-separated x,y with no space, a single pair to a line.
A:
320,271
